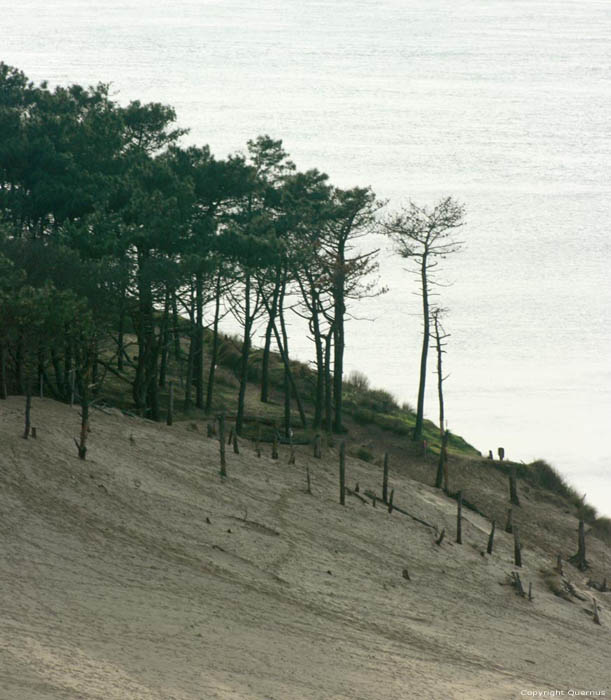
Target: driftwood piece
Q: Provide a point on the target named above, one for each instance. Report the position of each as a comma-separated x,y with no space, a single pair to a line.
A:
356,494
374,498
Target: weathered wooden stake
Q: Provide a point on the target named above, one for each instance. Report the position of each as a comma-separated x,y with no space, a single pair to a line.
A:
275,447
509,524
342,472
579,559
530,590
317,447
501,453
33,432
28,408
373,500
513,487
390,499
308,480
595,611
385,479
221,419
517,547
170,416
230,438
291,448
491,538
236,448
439,540
459,518
72,387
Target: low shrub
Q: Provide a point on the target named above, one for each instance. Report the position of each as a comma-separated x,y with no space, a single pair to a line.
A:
364,454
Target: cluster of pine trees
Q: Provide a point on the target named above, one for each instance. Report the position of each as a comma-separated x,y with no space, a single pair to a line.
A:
110,229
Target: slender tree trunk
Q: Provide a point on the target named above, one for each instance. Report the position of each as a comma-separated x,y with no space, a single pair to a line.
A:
198,355
338,359
121,330
215,343
320,375
189,379
328,384
245,355
164,339
268,341
417,435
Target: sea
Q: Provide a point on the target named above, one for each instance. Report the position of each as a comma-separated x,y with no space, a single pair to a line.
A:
502,104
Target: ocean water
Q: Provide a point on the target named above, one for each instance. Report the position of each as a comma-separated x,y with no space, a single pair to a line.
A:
503,104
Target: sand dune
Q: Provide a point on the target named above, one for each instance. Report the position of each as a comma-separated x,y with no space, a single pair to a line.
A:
115,587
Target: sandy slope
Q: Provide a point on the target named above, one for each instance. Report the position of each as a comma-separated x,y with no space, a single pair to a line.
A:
113,585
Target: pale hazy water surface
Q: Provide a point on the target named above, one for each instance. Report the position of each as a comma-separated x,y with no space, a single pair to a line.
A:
501,103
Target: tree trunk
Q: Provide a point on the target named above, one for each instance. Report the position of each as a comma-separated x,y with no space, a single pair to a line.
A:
417,435
28,408
198,354
328,383
164,338
245,355
215,343
338,361
268,341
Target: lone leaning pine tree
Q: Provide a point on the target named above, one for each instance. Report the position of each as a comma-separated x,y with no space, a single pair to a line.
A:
425,236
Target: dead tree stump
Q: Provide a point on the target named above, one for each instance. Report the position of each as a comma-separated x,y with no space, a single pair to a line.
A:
170,416
595,611
491,538
275,447
579,559
317,447
342,473
517,547
459,518
385,479
221,420
28,410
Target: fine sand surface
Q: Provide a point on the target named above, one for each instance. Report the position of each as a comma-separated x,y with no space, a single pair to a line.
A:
115,586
